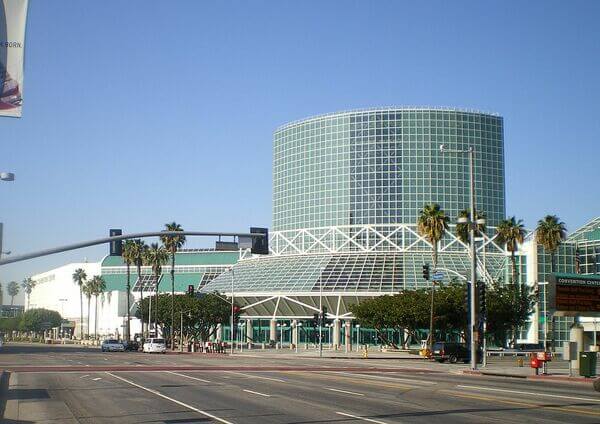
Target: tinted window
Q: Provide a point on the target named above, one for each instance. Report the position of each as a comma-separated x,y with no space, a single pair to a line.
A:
159,340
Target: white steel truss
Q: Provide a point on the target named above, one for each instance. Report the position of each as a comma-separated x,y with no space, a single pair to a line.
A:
400,238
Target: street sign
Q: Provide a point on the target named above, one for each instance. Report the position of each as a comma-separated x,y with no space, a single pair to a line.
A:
437,276
572,294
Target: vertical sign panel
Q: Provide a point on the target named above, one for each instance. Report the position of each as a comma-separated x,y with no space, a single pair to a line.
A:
13,16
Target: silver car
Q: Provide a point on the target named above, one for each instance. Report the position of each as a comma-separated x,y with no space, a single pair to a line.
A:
112,345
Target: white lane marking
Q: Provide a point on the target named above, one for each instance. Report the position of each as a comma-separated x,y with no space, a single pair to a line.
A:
185,405
97,378
345,391
189,376
380,377
258,376
360,418
528,393
256,393
84,376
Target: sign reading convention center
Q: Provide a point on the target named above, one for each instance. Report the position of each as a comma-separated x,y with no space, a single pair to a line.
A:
571,294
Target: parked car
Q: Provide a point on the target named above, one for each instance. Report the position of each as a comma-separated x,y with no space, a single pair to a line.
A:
155,345
131,346
451,352
112,345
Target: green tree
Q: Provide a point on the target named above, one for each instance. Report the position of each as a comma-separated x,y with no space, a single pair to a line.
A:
432,224
451,311
462,228
509,307
511,233
28,285
550,233
407,311
39,319
13,290
156,256
200,315
129,257
138,253
79,278
172,244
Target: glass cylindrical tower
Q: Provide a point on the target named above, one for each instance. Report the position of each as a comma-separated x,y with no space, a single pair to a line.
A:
381,166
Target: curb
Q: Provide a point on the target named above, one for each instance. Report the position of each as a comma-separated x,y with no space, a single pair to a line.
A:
548,377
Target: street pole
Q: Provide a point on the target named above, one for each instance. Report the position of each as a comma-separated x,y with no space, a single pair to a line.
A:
181,333
232,311
471,151
321,318
471,222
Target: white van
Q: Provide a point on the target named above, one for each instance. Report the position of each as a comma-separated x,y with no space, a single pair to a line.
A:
153,345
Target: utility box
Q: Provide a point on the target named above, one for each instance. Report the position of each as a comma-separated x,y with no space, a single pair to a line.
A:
587,363
570,351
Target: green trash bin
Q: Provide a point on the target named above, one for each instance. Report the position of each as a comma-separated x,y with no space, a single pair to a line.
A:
587,363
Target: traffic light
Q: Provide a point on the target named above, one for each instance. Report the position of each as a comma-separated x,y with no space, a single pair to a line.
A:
116,246
481,299
260,245
324,315
190,291
315,320
236,313
468,297
426,272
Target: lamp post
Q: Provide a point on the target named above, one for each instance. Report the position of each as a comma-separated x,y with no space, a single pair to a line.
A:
472,222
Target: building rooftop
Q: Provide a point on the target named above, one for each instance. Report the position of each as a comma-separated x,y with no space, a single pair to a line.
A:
589,232
386,109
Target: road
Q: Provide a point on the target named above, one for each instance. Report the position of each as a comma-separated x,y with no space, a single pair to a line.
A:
81,385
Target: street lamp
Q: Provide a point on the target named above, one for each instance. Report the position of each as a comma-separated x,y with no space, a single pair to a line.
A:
7,176
472,222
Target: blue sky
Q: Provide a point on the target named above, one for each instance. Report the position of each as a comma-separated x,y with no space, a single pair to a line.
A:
138,113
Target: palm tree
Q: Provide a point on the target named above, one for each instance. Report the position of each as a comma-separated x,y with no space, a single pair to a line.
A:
511,233
98,287
172,244
550,233
138,253
129,259
462,228
88,291
13,290
79,277
1,295
432,224
156,256
28,284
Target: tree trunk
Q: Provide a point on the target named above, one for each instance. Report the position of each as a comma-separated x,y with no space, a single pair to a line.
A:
88,321
172,300
96,318
81,313
156,308
513,261
139,276
12,300
128,327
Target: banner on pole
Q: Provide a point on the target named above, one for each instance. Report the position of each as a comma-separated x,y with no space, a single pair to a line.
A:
13,17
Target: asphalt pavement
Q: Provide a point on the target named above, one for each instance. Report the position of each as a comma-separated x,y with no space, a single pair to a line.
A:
75,384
